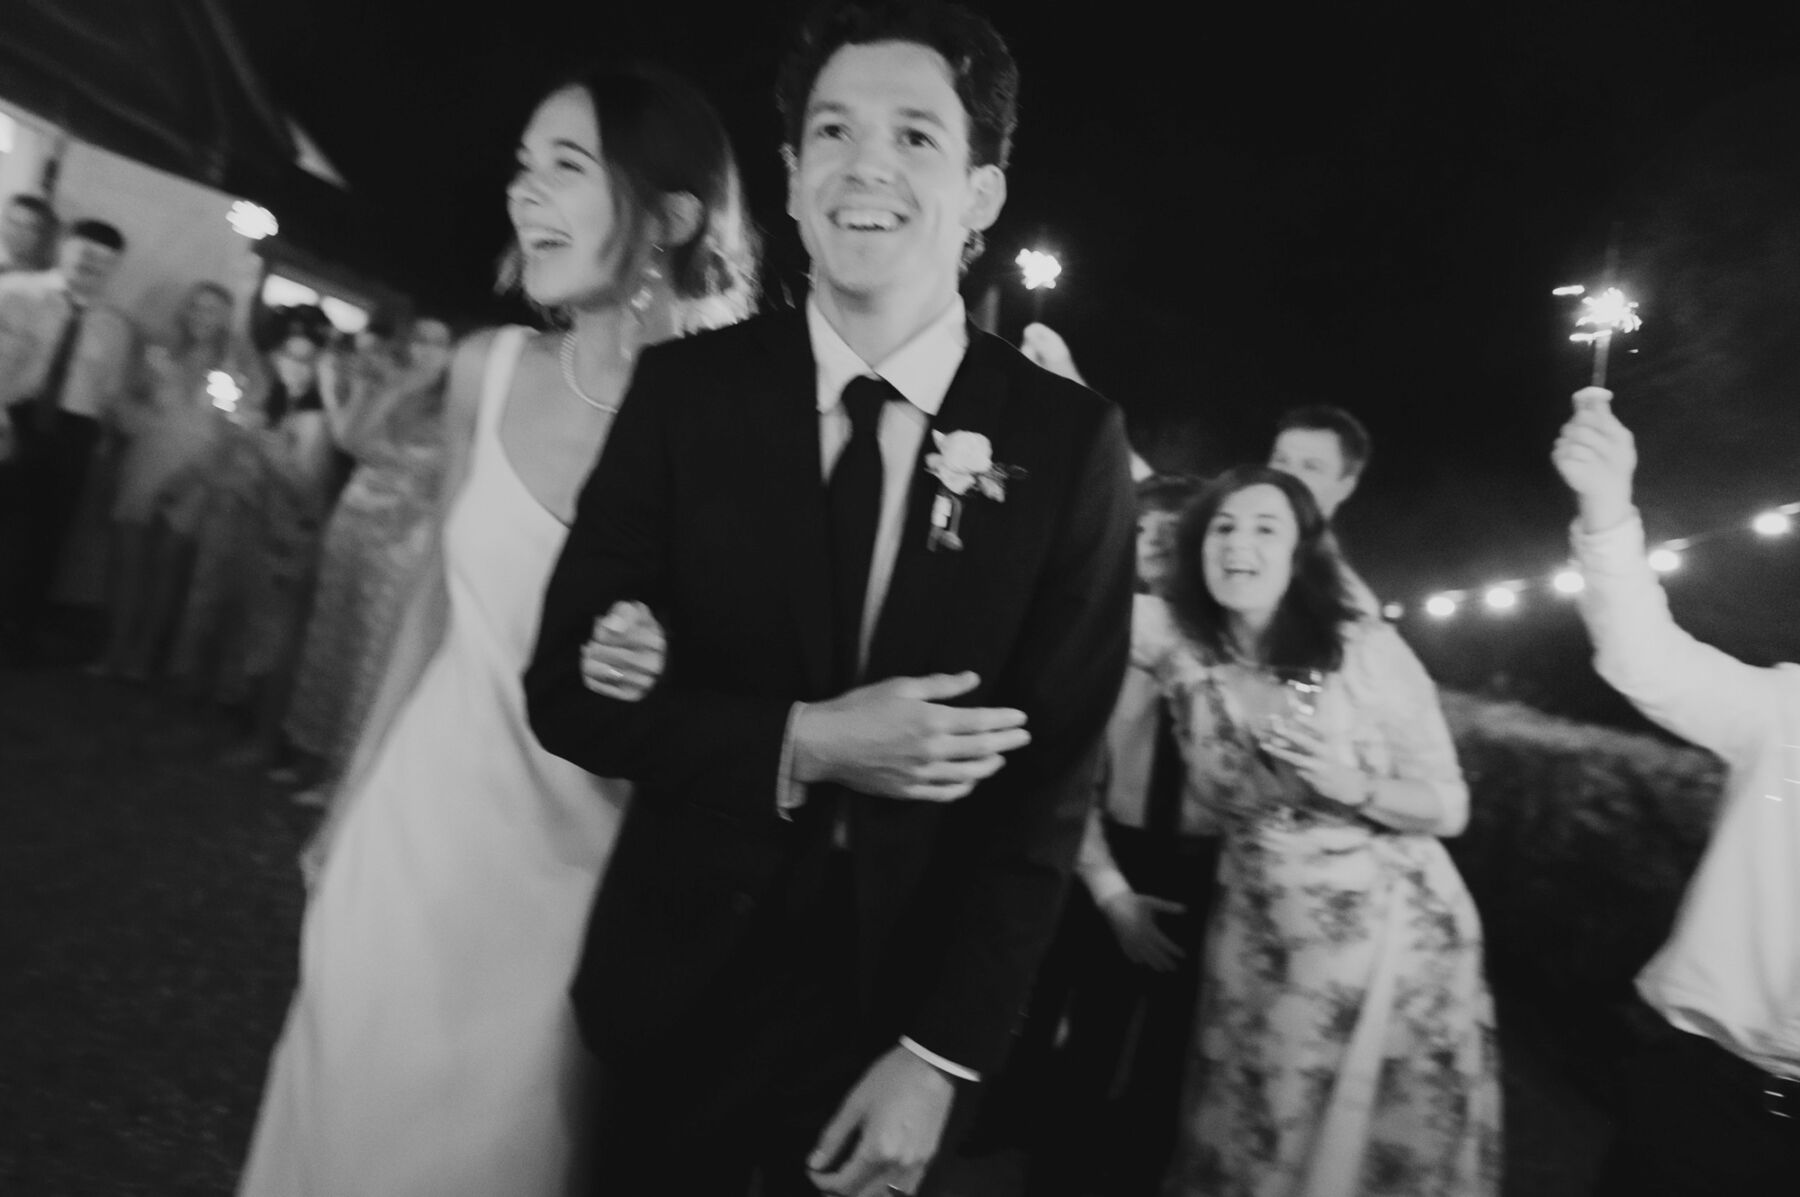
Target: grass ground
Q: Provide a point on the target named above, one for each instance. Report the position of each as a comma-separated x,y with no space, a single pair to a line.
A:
149,904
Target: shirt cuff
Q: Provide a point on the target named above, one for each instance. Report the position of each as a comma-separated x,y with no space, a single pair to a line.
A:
938,1062
1615,549
790,795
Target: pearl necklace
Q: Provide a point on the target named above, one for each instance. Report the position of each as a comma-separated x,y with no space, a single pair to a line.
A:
568,371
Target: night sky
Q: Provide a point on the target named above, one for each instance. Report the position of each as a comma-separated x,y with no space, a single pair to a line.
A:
1365,204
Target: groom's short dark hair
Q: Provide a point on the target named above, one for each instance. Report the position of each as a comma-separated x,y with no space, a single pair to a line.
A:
981,67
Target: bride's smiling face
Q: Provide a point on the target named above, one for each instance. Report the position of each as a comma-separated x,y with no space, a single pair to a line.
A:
564,213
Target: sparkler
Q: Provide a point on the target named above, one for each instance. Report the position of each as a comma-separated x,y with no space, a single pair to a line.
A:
224,391
1603,315
1039,269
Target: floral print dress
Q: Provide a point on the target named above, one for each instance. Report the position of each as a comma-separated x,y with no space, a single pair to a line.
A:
1345,1042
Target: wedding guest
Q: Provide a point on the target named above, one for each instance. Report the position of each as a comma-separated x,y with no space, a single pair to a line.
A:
1128,954
833,886
380,531
1345,1041
300,481
430,1049
1712,1104
172,426
27,233
65,359
229,634
1328,449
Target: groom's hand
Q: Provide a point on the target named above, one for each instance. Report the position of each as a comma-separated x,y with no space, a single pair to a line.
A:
887,1130
897,739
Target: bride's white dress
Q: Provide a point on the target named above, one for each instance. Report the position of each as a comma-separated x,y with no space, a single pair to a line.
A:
430,1049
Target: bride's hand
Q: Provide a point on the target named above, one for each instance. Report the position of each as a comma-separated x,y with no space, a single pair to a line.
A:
624,657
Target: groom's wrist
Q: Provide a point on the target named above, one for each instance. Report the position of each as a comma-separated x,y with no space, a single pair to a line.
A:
809,765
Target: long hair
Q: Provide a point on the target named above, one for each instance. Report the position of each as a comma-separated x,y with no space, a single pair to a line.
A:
186,344
659,137
1307,631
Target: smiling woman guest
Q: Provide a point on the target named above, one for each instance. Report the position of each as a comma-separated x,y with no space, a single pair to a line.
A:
430,1050
1345,1041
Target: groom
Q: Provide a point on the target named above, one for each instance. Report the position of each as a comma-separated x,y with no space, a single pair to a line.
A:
894,563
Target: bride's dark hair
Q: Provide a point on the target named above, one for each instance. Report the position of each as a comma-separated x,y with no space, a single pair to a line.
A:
659,137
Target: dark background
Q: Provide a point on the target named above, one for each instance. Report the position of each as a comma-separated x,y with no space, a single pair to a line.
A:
1366,204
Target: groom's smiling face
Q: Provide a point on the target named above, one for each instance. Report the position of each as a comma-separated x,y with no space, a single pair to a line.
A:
882,185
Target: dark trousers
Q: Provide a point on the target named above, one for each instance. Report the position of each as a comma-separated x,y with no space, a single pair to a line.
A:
1700,1122
1112,1090
40,489
762,1068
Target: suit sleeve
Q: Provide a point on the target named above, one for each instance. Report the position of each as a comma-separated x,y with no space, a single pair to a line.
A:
1021,830
720,750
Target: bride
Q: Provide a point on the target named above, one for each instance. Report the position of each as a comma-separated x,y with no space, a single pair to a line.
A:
429,1048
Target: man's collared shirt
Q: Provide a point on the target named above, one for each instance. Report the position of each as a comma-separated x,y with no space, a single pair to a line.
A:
921,370
34,309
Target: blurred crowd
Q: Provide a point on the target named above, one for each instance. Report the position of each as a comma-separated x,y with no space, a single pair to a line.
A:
254,480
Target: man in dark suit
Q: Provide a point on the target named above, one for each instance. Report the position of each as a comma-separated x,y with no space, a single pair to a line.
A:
863,775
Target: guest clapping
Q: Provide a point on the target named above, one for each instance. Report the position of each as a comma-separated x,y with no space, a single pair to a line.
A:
1714,1104
1346,1035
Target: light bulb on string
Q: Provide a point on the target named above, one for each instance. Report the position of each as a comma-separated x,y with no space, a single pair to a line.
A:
1665,560
1501,600
1440,606
1393,612
1773,523
1568,581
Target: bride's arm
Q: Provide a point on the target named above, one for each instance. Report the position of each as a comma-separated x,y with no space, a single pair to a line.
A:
426,596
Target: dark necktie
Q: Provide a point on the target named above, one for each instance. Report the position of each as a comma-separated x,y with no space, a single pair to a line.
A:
49,396
853,497
1162,801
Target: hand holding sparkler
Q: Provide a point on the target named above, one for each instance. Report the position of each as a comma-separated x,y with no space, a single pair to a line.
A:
1597,456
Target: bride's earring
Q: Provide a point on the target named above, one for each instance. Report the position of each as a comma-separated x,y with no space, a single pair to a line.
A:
641,299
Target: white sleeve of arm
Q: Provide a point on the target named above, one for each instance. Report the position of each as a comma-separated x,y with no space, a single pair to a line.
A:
1692,689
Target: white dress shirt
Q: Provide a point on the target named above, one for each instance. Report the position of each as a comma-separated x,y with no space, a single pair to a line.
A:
1731,967
1124,783
34,309
921,371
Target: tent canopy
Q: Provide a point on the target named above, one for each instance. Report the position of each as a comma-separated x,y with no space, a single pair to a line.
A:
165,82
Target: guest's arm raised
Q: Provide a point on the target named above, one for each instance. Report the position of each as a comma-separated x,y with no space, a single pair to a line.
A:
1693,689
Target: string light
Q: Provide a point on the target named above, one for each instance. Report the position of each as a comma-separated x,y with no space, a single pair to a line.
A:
1502,600
252,220
1772,523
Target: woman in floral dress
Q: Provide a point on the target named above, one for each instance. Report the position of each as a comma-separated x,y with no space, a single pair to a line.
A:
379,533
1345,1041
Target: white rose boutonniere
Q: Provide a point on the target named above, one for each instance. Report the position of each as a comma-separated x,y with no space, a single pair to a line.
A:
964,462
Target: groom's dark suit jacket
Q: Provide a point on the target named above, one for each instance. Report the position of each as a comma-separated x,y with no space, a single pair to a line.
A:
707,504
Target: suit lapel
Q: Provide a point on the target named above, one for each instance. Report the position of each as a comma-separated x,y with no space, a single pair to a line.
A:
924,583
797,495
